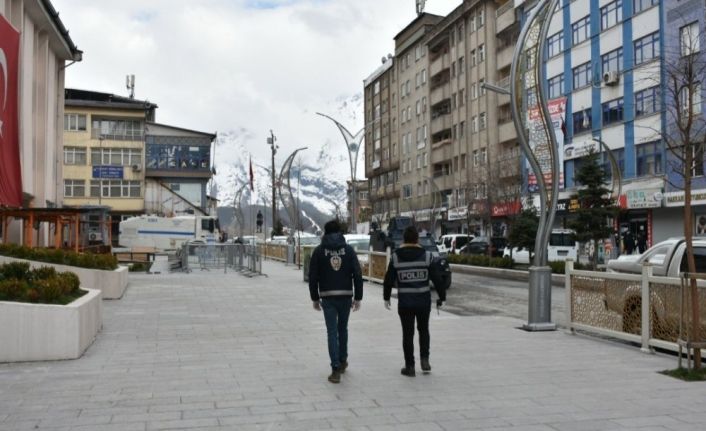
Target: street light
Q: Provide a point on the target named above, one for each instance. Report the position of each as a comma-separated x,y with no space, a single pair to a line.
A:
271,142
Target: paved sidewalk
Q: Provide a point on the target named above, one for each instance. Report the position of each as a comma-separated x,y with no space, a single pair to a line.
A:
209,351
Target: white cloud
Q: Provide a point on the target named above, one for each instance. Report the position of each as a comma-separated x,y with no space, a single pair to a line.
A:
217,65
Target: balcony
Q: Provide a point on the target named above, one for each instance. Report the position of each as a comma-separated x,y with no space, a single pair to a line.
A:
505,16
440,123
504,58
439,94
507,132
442,153
441,63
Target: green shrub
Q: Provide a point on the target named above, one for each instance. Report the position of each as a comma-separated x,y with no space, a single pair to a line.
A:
61,257
42,273
69,282
16,270
12,289
140,267
480,260
20,284
50,290
559,266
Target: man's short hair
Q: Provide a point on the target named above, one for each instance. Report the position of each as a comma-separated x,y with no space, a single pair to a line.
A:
410,235
332,226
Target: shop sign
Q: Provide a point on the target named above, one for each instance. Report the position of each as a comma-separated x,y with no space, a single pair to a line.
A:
579,149
648,198
107,171
676,199
457,214
505,209
568,205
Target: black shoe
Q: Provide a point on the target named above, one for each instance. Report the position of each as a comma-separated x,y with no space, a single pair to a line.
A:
426,368
335,376
342,368
408,371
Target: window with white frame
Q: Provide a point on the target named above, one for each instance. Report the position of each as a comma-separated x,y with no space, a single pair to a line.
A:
376,87
424,76
74,155
474,91
116,156
474,124
473,57
481,121
481,53
481,87
476,157
425,156
689,39
74,122
483,156
74,188
481,18
695,100
419,161
115,189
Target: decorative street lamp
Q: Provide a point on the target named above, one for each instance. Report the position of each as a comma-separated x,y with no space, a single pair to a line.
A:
285,193
353,143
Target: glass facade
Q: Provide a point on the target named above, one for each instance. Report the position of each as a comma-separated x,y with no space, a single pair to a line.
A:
178,153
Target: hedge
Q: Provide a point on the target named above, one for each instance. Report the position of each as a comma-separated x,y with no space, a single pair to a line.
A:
480,260
19,283
60,257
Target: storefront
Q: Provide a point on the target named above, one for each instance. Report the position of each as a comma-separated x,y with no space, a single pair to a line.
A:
501,214
636,220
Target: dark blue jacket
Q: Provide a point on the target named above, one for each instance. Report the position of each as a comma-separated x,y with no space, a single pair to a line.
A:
410,270
334,270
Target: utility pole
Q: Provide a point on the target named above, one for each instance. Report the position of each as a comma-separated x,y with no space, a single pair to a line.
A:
271,141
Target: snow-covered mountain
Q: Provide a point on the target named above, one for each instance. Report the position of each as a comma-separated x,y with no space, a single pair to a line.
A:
322,193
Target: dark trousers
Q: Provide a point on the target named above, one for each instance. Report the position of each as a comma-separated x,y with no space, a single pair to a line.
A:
407,318
336,313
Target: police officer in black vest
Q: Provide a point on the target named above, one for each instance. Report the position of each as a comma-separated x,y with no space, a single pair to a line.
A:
409,271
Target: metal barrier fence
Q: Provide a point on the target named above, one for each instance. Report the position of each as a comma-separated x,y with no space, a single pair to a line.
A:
242,258
643,309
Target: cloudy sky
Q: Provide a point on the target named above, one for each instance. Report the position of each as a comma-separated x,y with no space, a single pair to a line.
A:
256,65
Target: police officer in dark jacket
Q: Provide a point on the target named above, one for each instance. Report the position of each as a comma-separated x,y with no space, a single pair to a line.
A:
336,285
409,271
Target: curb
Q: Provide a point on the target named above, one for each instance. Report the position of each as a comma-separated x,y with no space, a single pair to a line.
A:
507,274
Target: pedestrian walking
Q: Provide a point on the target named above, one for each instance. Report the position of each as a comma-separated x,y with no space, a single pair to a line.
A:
336,286
629,242
410,270
641,242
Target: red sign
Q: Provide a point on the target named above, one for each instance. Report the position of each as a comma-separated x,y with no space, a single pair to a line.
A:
505,209
10,174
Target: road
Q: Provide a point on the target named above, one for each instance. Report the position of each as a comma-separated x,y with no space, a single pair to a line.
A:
473,295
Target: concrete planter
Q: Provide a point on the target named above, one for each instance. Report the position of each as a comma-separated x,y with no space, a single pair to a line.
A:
42,332
111,283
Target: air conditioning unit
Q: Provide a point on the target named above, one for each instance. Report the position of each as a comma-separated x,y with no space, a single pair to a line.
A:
137,167
611,78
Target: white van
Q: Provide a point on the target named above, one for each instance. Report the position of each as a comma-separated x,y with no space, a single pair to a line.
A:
452,243
561,247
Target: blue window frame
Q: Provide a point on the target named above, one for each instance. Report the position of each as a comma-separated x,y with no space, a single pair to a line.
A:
649,158
581,30
612,61
611,14
582,75
640,5
556,86
619,155
647,48
582,121
612,111
647,101
555,44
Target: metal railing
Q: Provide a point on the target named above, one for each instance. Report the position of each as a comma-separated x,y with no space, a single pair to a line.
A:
640,308
242,258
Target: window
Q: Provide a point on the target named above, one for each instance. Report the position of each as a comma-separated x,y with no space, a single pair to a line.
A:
555,44
695,100
480,85
697,167
582,75
74,188
417,80
476,157
647,101
647,48
474,91
481,53
74,122
409,87
580,30
640,5
453,69
424,76
461,129
481,18
612,61
612,111
115,188
483,156
649,158
424,104
419,107
689,39
454,98
426,159
582,121
118,130
619,155
556,86
418,52
128,157
376,87
74,156
481,121
473,57
376,114
419,161
406,191
461,65
474,124
461,97
611,14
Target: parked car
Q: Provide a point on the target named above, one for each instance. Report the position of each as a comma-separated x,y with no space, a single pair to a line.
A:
481,244
562,246
668,258
359,243
452,243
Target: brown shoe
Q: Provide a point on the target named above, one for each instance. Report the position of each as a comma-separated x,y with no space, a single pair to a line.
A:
335,376
342,368
408,371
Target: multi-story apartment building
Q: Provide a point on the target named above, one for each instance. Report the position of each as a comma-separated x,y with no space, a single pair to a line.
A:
36,48
454,160
104,152
362,202
607,61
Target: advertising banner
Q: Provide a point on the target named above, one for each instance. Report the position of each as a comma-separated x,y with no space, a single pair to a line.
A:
108,172
10,170
540,144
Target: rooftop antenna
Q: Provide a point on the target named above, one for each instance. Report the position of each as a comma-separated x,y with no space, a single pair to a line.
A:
420,7
130,84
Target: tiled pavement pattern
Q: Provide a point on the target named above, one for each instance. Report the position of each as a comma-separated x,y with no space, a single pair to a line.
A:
205,351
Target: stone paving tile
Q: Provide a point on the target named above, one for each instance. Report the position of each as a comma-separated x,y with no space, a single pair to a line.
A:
207,351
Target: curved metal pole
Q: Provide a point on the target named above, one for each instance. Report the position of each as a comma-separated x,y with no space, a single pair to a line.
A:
284,175
616,177
519,124
548,126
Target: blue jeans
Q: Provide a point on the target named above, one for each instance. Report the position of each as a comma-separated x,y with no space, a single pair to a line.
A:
336,312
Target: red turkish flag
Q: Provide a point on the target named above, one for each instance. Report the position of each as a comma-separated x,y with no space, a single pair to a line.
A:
10,173
252,177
